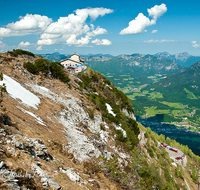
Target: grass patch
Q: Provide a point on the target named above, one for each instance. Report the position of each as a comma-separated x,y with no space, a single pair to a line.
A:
190,95
174,105
154,95
153,111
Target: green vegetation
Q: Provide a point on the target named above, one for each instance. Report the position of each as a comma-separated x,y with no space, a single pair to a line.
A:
17,52
112,167
105,92
174,105
91,113
153,111
46,67
155,95
190,95
194,174
175,96
2,87
160,173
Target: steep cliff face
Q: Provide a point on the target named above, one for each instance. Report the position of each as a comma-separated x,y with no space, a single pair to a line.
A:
76,135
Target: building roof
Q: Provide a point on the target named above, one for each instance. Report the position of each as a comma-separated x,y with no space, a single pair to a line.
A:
80,60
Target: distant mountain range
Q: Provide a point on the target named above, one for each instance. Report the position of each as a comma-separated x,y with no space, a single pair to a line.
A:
184,58
54,57
136,64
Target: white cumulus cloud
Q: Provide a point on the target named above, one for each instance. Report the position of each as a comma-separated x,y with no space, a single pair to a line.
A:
45,42
5,32
154,31
39,48
97,31
29,24
139,24
94,13
2,45
73,41
157,11
24,44
105,42
159,41
59,31
195,45
74,25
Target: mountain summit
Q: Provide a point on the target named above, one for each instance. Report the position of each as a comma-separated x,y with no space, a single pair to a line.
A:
78,131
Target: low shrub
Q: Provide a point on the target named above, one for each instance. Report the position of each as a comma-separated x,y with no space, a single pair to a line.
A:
102,127
91,113
45,66
120,136
17,52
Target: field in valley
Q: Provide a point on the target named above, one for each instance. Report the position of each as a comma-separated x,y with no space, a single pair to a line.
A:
156,107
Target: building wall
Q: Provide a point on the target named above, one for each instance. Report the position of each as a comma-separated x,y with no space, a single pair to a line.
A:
68,62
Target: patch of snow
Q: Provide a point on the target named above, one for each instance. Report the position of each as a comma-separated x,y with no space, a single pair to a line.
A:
109,86
118,127
17,91
174,164
38,119
72,175
43,88
109,108
130,115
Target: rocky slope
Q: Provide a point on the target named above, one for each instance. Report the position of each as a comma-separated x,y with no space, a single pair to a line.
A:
78,135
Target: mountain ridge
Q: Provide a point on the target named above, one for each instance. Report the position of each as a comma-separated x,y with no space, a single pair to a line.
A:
183,58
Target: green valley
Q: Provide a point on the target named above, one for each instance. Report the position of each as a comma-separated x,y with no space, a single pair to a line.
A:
172,93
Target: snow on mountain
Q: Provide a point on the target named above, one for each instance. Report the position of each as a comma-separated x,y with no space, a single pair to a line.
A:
109,108
17,91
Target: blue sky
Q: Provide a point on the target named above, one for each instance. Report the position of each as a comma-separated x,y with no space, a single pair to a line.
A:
108,27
